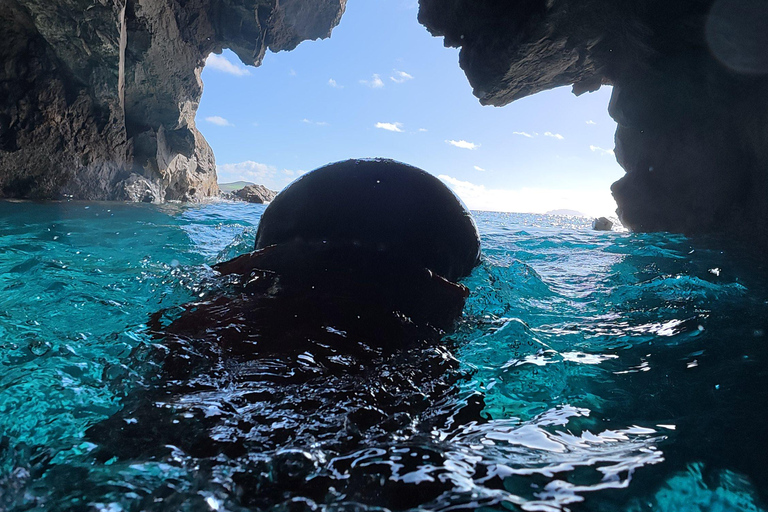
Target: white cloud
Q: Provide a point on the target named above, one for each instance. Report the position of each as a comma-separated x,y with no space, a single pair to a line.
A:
392,127
591,122
422,129
602,151
554,135
524,134
318,123
400,77
218,120
334,84
533,200
246,171
220,63
374,83
463,144
262,174
478,168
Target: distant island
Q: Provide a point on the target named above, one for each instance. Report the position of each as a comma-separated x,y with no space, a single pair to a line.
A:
565,213
234,186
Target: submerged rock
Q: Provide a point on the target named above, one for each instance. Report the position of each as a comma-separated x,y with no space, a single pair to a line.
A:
255,194
98,99
372,248
323,345
690,81
378,205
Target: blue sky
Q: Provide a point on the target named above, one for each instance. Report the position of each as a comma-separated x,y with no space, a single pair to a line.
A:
381,86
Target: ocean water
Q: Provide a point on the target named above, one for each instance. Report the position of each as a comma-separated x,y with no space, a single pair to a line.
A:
591,371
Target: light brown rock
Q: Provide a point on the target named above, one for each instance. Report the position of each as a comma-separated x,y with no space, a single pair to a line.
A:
256,194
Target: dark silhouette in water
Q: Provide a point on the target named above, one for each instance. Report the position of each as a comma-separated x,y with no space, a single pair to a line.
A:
379,205
300,358
370,248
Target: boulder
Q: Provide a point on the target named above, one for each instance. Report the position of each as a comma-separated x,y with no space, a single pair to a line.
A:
602,224
255,194
379,205
373,248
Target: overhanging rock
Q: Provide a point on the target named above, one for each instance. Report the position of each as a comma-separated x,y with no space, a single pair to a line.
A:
690,91
98,97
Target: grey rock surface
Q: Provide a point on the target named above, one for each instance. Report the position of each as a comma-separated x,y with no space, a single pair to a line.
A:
255,194
602,224
690,93
98,97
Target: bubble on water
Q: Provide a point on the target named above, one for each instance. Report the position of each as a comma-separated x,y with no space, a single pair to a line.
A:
39,347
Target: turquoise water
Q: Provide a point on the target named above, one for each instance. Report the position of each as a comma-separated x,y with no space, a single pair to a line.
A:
591,371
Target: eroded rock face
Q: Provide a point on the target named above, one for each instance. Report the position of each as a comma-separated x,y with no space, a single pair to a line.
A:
690,84
256,194
98,97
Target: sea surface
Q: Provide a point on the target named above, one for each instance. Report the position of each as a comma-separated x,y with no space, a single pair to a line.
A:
600,371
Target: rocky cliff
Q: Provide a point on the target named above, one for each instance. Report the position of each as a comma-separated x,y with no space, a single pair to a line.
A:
690,84
98,97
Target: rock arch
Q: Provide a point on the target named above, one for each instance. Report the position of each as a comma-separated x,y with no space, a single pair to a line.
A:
97,97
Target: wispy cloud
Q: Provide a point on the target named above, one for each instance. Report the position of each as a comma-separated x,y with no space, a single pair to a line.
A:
333,83
247,171
478,168
317,123
534,200
392,127
591,122
463,144
523,134
554,135
422,129
400,77
218,120
263,174
220,63
374,83
602,151
292,72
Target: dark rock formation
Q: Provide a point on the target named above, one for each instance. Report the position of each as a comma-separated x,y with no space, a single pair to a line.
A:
255,194
371,248
398,209
328,340
98,97
690,82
